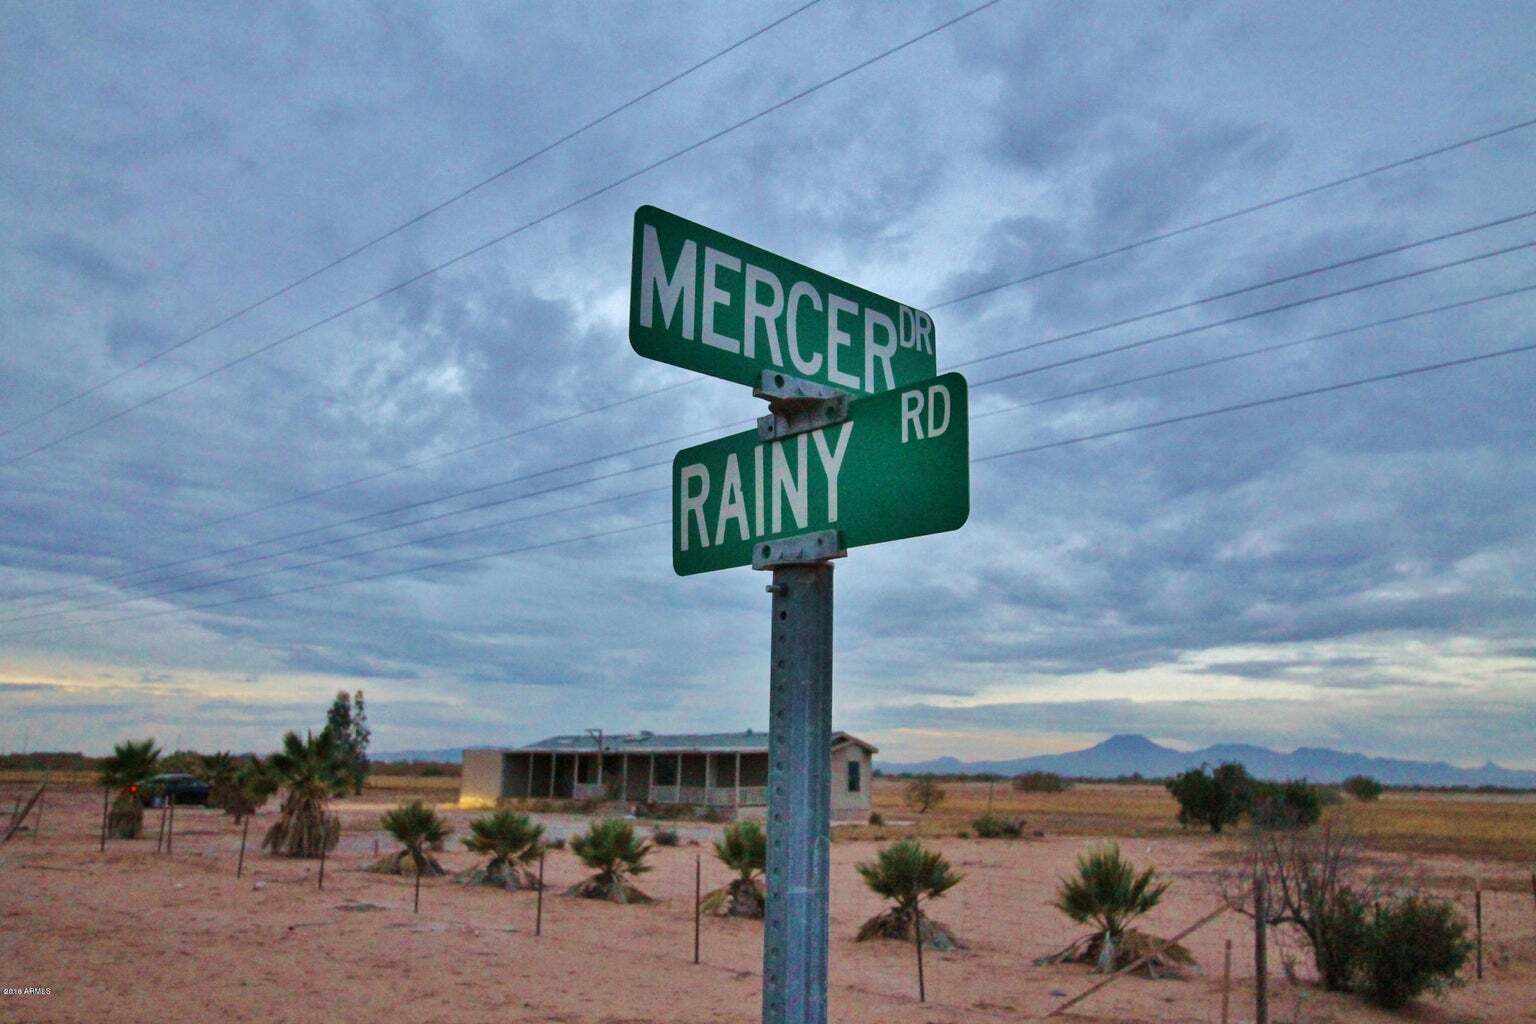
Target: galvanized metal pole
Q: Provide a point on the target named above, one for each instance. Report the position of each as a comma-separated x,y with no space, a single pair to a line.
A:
799,795
245,830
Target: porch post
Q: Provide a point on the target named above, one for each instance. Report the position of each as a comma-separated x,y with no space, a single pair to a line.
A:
529,784
650,789
709,771
624,775
679,798
554,767
738,778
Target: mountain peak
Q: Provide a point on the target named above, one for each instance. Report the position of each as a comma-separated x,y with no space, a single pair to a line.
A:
1129,743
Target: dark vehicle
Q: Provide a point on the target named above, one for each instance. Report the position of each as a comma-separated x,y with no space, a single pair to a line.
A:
181,789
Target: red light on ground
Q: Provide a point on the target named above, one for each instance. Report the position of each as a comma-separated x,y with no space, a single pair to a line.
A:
133,788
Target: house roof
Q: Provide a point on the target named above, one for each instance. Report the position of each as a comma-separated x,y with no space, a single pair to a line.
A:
750,741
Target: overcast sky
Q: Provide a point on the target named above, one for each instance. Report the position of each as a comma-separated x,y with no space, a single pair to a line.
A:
1352,569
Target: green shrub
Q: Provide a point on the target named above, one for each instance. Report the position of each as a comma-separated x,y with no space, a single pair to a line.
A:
876,818
1294,803
992,826
1040,782
1216,799
1362,787
1413,945
664,837
1107,892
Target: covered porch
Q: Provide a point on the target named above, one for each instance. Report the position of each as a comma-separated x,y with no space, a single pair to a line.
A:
700,779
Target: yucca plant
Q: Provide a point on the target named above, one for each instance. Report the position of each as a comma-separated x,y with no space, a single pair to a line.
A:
1108,893
311,769
417,827
612,849
512,840
907,873
744,849
132,762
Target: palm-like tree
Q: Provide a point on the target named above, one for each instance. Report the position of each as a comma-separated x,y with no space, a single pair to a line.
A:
125,771
611,848
312,771
907,873
1108,893
416,827
254,784
219,770
744,849
512,840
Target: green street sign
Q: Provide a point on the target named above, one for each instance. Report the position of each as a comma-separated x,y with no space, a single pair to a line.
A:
898,466
709,302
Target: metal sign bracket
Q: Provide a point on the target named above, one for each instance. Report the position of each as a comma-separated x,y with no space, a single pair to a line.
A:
804,549
796,406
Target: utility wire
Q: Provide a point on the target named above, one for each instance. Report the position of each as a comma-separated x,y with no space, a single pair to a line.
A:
1064,442
1244,211
432,501
1048,341
1258,402
1312,190
449,563
540,219
1250,353
1247,354
454,451
1209,325
410,542
417,219
1271,282
695,378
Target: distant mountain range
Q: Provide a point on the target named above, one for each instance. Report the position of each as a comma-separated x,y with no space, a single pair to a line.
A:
1130,755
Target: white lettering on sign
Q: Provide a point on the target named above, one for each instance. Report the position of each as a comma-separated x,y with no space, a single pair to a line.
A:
913,404
677,288
838,338
800,290
779,486
758,311
715,296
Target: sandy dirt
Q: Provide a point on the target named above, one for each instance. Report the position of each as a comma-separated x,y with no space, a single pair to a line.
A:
133,936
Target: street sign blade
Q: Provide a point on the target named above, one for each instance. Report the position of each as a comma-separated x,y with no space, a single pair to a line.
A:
898,466
705,301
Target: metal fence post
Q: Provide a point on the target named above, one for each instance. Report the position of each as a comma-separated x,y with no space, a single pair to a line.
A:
799,795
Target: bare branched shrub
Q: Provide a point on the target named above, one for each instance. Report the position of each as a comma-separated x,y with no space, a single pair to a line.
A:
1312,880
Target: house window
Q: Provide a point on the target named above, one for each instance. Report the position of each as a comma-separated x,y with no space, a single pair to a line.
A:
853,776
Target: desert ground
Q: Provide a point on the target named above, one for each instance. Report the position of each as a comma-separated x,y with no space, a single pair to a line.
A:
130,935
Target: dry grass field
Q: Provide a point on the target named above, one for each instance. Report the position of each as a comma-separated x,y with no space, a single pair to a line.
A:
1493,826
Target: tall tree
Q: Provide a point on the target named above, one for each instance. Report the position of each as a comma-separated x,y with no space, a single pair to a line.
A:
348,722
360,737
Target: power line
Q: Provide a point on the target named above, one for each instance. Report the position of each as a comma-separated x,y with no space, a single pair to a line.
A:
454,451
1209,325
449,563
695,379
1168,421
410,542
540,219
1244,211
429,501
1246,354
418,218
1256,403
1250,353
1048,341
1271,282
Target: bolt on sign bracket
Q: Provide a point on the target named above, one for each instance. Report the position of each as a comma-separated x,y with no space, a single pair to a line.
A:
796,406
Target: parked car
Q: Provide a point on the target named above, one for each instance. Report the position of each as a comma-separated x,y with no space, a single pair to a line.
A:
181,789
